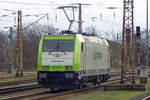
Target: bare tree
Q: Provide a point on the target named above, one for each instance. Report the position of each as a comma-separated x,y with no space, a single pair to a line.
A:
3,50
144,46
31,38
91,30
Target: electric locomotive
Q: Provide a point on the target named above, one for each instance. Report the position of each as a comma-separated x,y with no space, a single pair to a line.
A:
72,61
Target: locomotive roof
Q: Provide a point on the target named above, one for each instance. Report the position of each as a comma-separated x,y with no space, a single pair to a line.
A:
88,39
91,39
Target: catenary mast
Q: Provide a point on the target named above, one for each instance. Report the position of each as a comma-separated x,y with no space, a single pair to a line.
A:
127,38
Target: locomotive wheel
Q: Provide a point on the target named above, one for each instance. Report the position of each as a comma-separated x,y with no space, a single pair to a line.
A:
77,85
98,81
95,81
54,89
84,84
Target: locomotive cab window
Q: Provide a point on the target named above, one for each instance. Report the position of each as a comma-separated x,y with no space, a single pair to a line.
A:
58,45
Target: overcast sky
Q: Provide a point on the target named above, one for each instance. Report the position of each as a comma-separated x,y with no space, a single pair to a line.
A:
106,20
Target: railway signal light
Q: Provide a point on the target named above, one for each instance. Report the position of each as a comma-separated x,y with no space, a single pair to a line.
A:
138,32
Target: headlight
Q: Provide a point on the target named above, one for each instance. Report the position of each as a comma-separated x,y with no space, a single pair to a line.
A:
42,75
69,75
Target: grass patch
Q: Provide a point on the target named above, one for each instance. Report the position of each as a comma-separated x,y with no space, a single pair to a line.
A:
110,95
107,95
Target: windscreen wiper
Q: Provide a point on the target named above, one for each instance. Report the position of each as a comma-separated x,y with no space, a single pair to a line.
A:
57,48
52,50
62,50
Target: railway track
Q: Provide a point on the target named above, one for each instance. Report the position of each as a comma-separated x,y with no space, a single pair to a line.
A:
146,98
45,94
12,76
83,90
57,95
35,92
19,88
18,93
2,84
24,87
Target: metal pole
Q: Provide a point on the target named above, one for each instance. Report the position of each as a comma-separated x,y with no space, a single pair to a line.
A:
127,33
19,60
132,45
10,51
147,32
117,51
123,46
80,20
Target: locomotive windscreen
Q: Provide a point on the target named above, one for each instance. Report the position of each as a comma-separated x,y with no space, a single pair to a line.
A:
58,45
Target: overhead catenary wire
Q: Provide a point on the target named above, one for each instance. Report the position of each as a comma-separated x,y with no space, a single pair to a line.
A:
35,15
31,15
36,21
24,3
34,4
27,15
6,15
8,10
40,19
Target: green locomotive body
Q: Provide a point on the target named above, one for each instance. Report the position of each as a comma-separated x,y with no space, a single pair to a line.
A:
72,61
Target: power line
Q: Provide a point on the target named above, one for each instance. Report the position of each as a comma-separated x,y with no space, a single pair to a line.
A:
36,15
6,15
27,15
8,10
23,3
36,21
33,22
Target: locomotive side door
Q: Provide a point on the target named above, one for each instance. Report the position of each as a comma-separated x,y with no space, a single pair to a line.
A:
84,57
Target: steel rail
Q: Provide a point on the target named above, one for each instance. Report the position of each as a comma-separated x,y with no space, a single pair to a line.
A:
146,98
7,77
18,82
18,88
